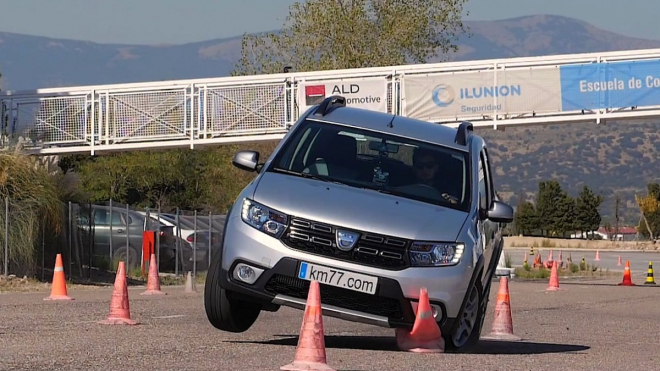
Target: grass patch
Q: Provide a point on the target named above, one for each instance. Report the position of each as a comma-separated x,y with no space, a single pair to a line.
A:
508,261
571,270
172,280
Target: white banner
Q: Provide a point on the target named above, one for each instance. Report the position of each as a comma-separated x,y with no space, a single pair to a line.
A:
470,94
369,93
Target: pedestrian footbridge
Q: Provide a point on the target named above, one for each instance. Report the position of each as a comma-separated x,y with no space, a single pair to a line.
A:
191,113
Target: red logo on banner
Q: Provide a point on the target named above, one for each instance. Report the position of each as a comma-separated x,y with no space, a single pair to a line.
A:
314,94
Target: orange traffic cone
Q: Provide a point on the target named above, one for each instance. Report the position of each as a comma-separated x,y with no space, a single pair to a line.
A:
537,260
597,256
310,353
120,312
619,263
58,290
553,285
425,336
627,278
550,255
502,322
153,281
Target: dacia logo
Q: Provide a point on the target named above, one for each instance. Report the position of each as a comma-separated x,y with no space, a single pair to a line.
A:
346,240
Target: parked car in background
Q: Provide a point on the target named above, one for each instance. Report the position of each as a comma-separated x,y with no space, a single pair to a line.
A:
191,256
125,240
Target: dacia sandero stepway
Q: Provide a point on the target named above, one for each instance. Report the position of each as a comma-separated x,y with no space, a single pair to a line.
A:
373,206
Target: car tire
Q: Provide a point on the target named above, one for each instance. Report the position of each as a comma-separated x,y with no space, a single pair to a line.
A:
466,331
125,253
224,312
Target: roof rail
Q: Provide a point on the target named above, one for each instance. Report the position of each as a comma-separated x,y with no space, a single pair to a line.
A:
329,103
464,130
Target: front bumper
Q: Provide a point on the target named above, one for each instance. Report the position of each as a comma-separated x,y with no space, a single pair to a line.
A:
393,304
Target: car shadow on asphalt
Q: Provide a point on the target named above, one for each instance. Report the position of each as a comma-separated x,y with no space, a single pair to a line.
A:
388,343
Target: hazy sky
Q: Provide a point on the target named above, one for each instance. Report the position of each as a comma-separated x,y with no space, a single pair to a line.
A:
181,21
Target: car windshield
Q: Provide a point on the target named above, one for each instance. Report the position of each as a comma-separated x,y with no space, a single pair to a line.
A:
381,162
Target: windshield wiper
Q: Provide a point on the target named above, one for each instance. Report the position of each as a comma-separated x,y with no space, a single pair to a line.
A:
304,175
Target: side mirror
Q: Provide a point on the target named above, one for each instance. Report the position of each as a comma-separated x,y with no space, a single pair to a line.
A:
500,213
246,160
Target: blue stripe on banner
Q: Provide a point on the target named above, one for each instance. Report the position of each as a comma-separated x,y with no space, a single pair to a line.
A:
303,270
610,85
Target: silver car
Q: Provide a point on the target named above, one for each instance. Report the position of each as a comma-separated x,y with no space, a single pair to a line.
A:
374,206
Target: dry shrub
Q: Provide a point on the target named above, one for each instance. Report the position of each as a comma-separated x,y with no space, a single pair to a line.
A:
33,203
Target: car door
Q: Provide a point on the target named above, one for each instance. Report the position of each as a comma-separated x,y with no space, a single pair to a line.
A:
495,230
486,227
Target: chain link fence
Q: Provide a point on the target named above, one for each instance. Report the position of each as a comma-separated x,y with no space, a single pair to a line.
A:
94,237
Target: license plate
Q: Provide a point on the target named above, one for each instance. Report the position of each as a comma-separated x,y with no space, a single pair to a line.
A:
338,278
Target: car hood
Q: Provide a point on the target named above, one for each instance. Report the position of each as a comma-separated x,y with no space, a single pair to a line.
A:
356,208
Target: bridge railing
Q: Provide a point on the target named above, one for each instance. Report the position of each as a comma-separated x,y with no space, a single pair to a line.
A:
231,109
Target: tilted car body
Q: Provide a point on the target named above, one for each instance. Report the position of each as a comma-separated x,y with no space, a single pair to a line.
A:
339,202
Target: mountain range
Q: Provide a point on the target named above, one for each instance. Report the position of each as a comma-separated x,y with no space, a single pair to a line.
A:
30,62
616,158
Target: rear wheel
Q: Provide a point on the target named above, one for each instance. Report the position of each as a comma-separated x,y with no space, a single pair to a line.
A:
466,331
224,312
129,256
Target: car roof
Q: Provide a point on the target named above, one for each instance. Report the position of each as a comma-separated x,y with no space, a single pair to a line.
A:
392,124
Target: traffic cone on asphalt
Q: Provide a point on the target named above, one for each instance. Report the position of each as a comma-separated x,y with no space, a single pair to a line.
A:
190,284
649,275
553,285
619,263
310,352
120,312
597,255
153,281
425,336
537,260
502,322
58,290
627,278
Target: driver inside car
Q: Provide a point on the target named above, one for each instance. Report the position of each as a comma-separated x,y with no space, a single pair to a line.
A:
426,169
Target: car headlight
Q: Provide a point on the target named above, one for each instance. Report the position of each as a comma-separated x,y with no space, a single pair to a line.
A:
263,218
431,254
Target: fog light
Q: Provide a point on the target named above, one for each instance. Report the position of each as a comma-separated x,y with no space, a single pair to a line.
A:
247,273
435,309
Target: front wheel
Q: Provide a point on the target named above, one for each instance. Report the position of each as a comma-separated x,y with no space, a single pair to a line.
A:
466,331
224,312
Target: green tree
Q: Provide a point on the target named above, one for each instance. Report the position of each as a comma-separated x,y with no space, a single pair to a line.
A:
587,216
547,199
337,34
105,177
649,206
564,215
525,218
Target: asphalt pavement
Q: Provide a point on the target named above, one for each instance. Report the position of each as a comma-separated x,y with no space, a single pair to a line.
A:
595,325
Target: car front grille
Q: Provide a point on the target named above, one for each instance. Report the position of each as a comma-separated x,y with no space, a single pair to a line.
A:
371,249
343,298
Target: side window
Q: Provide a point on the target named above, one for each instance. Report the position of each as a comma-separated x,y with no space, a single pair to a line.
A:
485,185
489,177
101,218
